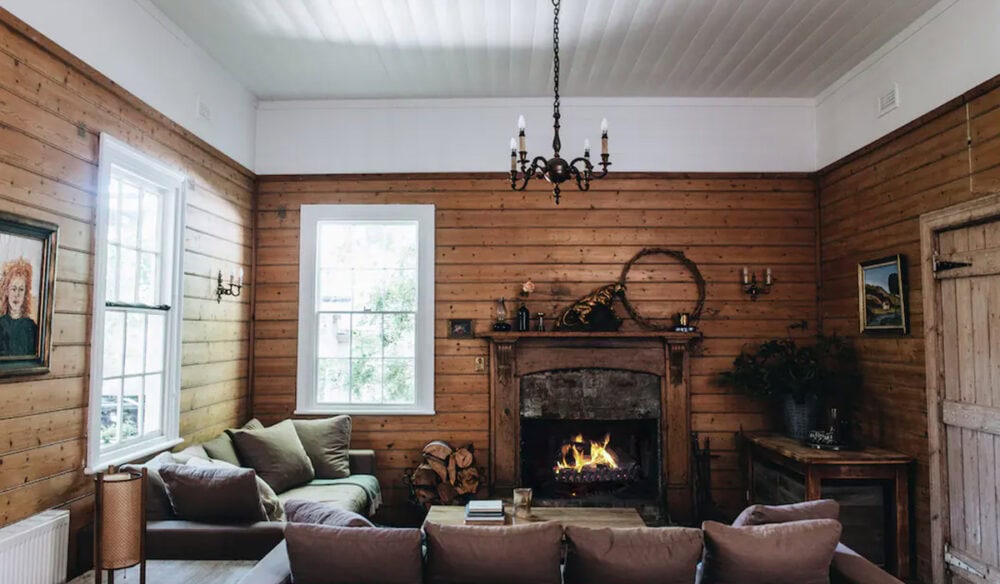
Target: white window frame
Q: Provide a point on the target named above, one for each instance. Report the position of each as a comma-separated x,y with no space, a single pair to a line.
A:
114,152
306,391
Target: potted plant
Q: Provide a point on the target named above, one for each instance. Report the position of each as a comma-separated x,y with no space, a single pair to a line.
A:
799,377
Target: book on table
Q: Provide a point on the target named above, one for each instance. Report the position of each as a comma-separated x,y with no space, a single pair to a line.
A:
488,512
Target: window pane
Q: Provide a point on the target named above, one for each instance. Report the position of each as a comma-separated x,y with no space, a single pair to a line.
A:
150,238
332,380
366,336
135,336
114,343
398,291
334,337
129,215
114,216
399,332
148,279
130,407
334,290
399,381
126,275
110,391
334,244
366,381
153,406
402,239
155,342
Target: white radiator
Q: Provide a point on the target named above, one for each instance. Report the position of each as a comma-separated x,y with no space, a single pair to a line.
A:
34,551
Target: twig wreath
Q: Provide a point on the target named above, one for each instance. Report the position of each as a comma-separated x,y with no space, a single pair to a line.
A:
687,263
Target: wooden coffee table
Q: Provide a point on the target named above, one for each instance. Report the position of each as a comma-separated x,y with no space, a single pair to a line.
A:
594,517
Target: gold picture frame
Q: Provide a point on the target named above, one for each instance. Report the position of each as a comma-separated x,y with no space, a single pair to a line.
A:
27,294
882,296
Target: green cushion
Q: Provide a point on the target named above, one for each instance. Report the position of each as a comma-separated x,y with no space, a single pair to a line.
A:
221,447
276,453
327,443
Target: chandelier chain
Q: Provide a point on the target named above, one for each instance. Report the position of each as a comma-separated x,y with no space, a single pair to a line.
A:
555,52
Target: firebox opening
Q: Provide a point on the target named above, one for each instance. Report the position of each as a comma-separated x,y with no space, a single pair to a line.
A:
591,461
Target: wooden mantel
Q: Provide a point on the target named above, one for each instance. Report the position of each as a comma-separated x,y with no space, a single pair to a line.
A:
662,353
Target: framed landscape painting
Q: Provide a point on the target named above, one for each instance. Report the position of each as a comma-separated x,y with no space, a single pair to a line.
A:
27,286
882,296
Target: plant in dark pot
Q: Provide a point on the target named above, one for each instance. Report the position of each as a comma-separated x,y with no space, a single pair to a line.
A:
800,378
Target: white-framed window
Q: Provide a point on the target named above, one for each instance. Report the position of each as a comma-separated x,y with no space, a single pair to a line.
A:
366,309
138,292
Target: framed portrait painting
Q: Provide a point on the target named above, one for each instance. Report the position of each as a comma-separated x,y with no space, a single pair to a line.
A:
882,296
27,286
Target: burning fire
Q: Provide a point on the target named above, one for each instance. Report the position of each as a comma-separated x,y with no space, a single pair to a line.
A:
576,460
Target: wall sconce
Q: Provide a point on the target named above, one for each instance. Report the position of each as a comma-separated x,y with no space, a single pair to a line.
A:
232,289
750,285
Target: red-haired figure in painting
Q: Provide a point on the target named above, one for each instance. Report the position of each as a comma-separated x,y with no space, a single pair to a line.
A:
18,332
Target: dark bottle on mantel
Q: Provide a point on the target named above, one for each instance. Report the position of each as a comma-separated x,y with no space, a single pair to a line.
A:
523,319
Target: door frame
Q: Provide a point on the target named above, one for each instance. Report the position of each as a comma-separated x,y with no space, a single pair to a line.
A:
956,216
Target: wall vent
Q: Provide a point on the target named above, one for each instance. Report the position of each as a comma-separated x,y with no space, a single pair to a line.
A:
888,101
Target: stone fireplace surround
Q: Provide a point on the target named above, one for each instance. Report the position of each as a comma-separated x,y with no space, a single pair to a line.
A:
665,355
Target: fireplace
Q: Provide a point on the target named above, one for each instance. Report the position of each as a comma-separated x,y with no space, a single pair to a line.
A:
563,401
591,436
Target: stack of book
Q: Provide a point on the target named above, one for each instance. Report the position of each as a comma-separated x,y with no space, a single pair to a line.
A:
484,512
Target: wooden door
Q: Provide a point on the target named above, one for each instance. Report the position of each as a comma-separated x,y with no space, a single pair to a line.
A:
961,283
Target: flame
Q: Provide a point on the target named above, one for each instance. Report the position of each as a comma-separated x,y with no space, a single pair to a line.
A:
574,459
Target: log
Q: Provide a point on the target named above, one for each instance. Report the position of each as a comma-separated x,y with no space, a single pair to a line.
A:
439,468
446,493
451,470
425,496
468,481
464,458
425,476
438,450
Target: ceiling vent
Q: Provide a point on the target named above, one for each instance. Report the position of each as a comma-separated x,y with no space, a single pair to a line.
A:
888,101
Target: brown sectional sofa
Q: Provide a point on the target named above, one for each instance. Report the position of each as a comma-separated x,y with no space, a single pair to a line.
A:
176,539
847,568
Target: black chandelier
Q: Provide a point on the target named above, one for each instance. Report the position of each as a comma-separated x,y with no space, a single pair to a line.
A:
556,170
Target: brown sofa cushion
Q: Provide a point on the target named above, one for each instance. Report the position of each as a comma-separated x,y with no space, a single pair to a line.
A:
299,511
798,552
526,554
320,554
221,447
276,453
667,555
212,493
765,514
327,442
274,510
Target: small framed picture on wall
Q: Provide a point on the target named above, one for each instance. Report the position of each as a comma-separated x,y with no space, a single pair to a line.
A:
27,286
460,328
882,296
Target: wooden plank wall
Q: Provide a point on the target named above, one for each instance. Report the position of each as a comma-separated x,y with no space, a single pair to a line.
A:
870,206
52,110
490,239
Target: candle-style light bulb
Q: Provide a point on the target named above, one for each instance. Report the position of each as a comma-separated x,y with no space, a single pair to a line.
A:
513,155
241,276
746,275
520,134
767,277
604,136
586,148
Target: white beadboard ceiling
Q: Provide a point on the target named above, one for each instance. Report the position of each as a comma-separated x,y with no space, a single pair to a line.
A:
316,49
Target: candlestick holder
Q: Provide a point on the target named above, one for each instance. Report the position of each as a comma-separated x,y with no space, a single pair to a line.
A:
233,288
752,287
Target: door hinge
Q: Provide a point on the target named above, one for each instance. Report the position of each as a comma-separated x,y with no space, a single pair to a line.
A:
943,265
952,560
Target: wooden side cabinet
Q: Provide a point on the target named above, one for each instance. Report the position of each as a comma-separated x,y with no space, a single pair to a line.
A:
872,486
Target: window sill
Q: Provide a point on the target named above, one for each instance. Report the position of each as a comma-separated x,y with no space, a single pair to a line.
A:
133,453
315,411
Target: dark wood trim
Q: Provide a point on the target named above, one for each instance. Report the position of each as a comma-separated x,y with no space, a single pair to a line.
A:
505,177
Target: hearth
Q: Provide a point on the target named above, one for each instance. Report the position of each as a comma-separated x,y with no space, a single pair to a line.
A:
591,436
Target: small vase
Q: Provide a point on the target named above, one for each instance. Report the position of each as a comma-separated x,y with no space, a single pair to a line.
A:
800,418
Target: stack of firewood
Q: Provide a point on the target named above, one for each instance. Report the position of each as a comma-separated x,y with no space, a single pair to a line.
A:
447,476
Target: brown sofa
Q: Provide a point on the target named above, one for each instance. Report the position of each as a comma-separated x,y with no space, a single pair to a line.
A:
176,539
847,568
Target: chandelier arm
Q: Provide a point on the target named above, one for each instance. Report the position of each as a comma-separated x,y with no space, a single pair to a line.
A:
539,166
582,176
